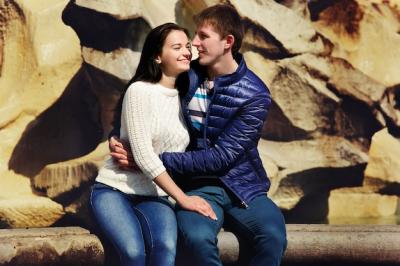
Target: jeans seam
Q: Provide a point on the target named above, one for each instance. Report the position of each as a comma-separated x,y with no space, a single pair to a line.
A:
148,225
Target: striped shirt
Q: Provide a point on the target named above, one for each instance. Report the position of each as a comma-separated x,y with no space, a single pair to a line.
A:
198,105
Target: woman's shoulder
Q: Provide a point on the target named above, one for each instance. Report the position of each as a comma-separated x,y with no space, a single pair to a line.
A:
140,88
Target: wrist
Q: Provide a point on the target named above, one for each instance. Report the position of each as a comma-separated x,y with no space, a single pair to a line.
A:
181,198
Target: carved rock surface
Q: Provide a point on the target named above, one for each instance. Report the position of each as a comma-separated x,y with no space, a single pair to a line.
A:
358,28
331,67
309,166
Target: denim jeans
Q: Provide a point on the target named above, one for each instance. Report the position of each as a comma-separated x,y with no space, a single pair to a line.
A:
261,226
142,229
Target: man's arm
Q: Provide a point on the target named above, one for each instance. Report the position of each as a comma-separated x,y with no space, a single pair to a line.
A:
117,118
119,150
242,133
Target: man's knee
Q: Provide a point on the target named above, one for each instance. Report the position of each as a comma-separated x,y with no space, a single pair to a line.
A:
273,241
198,238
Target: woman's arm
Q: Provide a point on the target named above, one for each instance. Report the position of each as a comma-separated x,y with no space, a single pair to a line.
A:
137,117
190,203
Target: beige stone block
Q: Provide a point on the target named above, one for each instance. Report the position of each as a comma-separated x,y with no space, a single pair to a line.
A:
360,202
384,157
29,211
53,44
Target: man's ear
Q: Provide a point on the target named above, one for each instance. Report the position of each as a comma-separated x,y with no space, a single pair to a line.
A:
230,40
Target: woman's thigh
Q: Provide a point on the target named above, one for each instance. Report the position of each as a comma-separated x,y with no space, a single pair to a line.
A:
159,229
116,217
158,221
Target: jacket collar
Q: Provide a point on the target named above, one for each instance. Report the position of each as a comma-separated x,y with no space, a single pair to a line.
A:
225,80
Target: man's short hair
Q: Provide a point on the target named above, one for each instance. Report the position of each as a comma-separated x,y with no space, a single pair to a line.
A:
225,20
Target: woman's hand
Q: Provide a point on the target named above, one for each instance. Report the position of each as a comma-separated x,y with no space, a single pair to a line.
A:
197,204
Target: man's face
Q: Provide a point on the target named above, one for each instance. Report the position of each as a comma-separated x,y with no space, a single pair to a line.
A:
209,44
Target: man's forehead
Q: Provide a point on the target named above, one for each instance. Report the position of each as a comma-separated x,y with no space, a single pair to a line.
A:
206,27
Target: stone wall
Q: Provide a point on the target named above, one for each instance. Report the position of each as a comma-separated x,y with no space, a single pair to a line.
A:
330,143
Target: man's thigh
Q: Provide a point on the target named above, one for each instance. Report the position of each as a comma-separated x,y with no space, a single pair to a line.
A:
189,221
197,234
262,217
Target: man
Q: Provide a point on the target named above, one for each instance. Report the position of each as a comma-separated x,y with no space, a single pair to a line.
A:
224,108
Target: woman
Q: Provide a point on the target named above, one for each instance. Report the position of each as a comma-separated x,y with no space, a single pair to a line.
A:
131,206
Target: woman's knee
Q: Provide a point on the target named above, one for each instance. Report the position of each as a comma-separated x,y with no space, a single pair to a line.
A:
167,246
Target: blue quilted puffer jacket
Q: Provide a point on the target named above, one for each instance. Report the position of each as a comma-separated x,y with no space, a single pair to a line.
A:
233,124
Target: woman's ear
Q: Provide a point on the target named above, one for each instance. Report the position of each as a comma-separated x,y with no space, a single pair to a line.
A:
230,40
158,59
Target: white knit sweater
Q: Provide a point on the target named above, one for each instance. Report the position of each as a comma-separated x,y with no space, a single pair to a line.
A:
153,123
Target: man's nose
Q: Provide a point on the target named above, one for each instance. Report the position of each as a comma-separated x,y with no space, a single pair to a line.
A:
196,41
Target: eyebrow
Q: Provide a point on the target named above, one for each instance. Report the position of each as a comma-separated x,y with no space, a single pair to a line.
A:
179,44
202,32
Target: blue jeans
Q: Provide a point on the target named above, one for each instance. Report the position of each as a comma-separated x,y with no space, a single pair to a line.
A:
142,229
261,226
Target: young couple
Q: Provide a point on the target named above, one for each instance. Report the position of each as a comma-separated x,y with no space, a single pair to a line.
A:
205,141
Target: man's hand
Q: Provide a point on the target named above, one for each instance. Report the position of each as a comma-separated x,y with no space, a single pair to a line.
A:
121,153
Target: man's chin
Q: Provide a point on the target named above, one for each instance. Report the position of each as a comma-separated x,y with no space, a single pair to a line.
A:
203,61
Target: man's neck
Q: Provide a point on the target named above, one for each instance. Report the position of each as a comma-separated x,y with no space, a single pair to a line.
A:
224,66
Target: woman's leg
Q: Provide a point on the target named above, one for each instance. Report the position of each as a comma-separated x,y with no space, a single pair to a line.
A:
159,230
116,217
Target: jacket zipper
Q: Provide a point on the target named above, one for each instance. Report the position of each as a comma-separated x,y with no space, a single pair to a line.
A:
242,202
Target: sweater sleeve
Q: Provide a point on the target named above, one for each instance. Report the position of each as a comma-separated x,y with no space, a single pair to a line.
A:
137,116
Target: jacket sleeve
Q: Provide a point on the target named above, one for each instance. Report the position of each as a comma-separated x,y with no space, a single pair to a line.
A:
241,134
117,118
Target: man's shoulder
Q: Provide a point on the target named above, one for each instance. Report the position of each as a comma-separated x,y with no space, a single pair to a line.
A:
254,84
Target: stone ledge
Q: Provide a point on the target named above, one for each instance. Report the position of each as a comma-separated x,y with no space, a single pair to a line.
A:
50,246
307,245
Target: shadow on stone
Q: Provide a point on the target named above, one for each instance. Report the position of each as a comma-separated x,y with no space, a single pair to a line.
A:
68,129
103,32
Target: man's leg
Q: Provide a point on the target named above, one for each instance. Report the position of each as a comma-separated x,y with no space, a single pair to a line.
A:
263,226
197,234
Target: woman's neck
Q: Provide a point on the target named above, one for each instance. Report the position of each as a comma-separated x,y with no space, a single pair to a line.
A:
168,81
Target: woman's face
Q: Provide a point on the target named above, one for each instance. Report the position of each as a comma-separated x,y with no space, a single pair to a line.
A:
176,54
